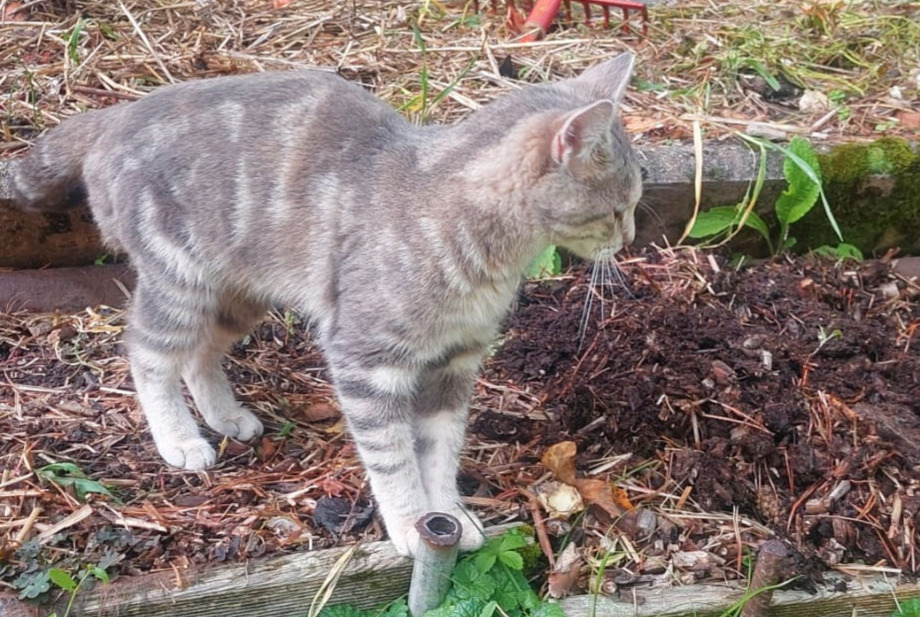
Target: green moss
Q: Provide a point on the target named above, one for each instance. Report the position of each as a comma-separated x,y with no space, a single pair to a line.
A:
853,162
874,192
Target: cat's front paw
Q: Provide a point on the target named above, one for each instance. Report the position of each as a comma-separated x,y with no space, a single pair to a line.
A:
473,535
239,423
193,453
405,538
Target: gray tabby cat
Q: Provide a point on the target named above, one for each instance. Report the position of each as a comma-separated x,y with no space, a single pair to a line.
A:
404,244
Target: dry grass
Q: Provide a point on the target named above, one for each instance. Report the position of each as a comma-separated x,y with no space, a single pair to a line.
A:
700,59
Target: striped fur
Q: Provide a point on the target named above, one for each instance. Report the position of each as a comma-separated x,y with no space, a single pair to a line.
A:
404,244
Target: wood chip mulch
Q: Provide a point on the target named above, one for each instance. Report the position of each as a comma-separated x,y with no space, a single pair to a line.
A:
728,407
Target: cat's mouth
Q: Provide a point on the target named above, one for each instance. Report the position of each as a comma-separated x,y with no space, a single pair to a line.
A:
593,248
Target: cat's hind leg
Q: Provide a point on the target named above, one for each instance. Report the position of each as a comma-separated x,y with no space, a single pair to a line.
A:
441,419
204,376
167,320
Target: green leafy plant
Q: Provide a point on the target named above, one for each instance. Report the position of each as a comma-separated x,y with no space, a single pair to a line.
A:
64,580
839,252
547,264
907,608
803,177
838,100
32,584
70,475
489,582
825,337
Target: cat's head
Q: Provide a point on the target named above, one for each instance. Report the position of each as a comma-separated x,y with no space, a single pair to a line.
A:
586,195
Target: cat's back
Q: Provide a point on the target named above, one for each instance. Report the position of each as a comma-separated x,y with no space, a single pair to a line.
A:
212,167
271,101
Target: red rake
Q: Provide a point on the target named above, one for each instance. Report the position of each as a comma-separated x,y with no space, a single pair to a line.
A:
544,11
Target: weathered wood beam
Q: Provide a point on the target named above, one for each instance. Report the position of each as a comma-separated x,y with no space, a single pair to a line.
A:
869,596
281,586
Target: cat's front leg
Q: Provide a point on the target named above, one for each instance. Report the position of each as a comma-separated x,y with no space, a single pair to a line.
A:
377,403
441,411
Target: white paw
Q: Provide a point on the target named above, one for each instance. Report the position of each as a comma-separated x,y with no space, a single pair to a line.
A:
192,453
240,424
473,535
405,538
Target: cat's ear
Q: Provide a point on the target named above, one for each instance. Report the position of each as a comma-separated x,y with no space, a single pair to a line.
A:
608,80
583,131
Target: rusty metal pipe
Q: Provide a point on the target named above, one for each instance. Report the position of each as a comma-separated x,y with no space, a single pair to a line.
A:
434,561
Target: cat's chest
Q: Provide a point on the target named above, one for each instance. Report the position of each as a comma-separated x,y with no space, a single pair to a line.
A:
477,314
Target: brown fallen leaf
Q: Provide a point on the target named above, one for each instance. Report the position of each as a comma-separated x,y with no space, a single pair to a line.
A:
599,493
908,119
640,124
13,12
560,459
561,580
316,411
267,449
280,4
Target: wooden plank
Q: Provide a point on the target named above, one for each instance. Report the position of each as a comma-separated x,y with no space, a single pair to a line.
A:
275,587
57,239
864,597
281,586
65,289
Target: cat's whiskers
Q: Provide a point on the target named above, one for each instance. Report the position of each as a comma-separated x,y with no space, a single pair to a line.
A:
606,277
649,209
586,310
618,277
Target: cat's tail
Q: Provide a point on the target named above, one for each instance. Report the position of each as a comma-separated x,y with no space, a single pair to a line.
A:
50,177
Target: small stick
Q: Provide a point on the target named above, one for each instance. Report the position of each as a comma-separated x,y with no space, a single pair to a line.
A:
434,561
539,526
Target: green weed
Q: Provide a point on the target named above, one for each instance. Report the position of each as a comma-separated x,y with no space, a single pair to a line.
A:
803,177
73,41
286,429
64,580
70,475
908,608
420,103
38,577
547,264
489,582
